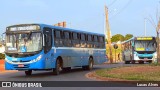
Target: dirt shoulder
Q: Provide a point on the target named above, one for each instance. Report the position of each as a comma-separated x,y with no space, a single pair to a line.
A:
94,76
133,73
2,67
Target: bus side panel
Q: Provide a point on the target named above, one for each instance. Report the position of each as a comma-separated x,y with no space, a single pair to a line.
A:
85,56
99,56
49,60
71,57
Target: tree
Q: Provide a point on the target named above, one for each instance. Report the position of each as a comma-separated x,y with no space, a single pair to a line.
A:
106,41
128,36
117,37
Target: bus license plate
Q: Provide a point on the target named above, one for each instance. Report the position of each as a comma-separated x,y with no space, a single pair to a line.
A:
20,65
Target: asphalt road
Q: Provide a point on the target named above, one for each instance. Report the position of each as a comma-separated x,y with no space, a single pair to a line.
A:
74,75
77,74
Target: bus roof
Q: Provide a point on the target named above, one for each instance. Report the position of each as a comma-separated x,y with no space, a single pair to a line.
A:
137,37
57,27
69,29
128,40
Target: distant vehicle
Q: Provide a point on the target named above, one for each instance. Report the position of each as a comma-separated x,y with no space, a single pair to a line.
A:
139,49
44,47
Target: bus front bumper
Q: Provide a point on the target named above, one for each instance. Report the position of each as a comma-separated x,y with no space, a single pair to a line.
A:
31,66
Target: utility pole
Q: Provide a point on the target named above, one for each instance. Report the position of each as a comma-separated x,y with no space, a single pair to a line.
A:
158,52
108,34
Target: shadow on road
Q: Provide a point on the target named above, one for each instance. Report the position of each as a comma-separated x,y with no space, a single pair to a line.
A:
38,74
73,72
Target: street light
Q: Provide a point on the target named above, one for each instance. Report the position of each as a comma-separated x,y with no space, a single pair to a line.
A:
157,31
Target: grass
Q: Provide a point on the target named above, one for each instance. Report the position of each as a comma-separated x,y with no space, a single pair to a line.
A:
140,73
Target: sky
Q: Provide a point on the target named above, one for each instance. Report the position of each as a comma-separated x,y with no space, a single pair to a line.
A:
125,16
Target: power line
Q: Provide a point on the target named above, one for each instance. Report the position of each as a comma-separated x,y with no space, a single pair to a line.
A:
122,8
152,21
112,3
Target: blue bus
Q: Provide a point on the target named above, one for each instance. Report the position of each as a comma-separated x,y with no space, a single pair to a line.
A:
32,47
139,49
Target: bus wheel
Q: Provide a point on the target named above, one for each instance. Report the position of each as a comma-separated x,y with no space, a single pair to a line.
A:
133,61
57,69
90,64
150,62
141,62
29,72
127,62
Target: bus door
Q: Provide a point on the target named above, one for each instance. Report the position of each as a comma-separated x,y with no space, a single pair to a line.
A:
47,47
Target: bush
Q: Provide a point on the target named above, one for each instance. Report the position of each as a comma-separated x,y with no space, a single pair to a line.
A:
2,56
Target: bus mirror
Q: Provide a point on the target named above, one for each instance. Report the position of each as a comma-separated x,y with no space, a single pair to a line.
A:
154,44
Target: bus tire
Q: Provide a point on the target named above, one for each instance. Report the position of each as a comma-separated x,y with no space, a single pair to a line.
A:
127,62
90,64
141,62
133,61
84,67
150,62
56,70
28,73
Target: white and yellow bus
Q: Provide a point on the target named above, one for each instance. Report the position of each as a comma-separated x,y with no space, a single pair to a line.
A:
139,49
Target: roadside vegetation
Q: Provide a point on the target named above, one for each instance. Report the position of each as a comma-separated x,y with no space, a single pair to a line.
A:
135,73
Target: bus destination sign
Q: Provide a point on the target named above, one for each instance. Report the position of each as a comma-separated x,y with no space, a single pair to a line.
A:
21,28
144,38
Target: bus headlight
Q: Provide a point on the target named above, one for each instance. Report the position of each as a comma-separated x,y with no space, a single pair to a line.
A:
8,60
39,57
136,56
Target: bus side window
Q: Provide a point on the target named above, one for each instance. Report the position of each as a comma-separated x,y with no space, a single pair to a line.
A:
67,39
89,41
75,39
58,38
95,41
101,42
83,40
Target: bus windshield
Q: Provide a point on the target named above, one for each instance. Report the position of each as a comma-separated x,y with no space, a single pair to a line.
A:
145,45
24,42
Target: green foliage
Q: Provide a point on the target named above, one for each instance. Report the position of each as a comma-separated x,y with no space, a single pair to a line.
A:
117,37
106,41
2,56
128,36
